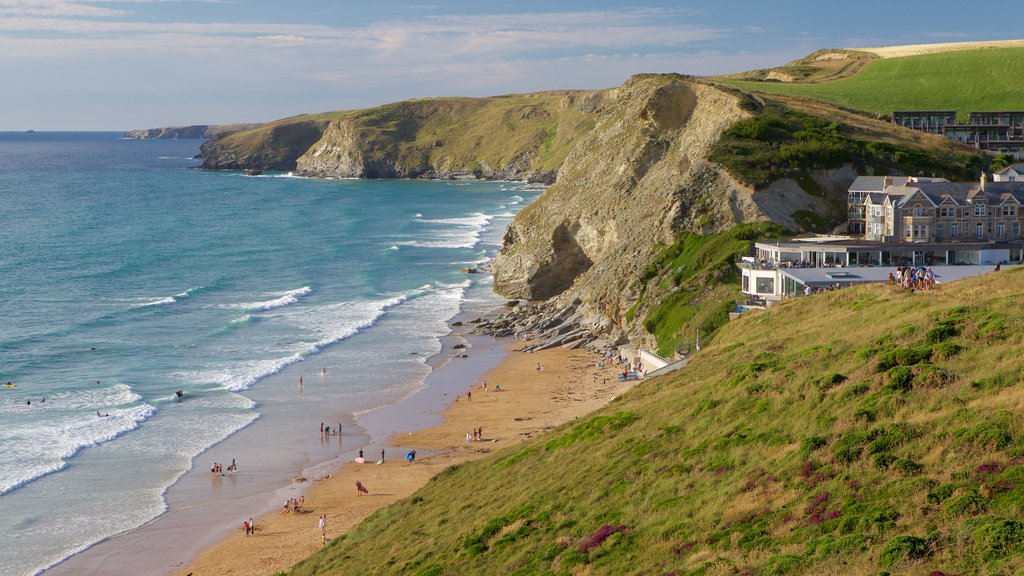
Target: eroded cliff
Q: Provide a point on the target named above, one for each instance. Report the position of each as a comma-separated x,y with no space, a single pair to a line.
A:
638,179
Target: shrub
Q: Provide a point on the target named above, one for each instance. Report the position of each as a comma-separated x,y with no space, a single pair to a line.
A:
781,565
901,379
856,389
849,447
829,380
967,502
941,333
947,350
903,548
812,443
999,538
930,376
908,467
990,434
941,493
903,357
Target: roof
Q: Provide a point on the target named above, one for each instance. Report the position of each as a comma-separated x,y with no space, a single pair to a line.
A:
877,183
861,275
936,192
1017,169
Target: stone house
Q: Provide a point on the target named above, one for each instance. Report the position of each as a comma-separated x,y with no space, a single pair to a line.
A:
945,212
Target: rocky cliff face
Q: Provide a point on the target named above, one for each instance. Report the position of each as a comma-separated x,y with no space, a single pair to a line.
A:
268,147
639,178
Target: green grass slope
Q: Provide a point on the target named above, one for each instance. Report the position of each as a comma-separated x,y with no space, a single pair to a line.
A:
867,431
413,137
966,81
467,133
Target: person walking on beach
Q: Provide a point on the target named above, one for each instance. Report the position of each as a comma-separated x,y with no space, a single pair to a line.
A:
360,489
252,526
381,456
323,524
469,395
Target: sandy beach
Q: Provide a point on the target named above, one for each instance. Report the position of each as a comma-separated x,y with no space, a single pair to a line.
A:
527,393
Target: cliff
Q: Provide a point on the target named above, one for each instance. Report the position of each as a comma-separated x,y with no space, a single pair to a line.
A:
186,132
517,137
638,180
273,146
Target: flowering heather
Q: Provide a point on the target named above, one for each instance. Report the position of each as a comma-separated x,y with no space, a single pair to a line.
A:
818,512
989,468
684,547
595,538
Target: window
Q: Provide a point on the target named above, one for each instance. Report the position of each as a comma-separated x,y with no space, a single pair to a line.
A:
954,230
1009,210
918,211
979,209
878,229
939,230
1016,229
877,210
765,285
1000,230
981,231
746,283
907,230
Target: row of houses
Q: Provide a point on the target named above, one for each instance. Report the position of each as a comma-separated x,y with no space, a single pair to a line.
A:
933,210
1000,132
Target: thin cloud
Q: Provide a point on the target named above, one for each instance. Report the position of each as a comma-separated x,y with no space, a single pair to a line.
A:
55,8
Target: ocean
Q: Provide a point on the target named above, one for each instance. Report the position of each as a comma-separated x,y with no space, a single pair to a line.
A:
272,303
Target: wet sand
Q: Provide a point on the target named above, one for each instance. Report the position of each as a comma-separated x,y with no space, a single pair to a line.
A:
530,402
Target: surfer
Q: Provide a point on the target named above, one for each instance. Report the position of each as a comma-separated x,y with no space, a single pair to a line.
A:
179,393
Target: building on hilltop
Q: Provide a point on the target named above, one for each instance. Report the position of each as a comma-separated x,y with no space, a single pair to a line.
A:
999,132
918,211
962,228
864,185
930,121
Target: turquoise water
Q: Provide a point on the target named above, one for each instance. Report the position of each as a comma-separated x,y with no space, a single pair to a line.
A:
127,276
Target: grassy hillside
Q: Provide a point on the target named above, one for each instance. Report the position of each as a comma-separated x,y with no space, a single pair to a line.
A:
786,140
970,80
693,284
866,431
412,137
467,133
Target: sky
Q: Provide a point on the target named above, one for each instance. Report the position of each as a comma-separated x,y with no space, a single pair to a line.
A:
119,65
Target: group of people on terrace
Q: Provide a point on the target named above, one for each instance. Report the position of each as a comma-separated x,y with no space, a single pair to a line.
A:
913,278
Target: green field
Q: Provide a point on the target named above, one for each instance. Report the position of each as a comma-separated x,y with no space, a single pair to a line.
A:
867,431
967,81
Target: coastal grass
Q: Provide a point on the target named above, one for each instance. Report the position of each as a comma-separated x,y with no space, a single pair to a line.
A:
692,285
409,138
788,446
781,141
965,81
